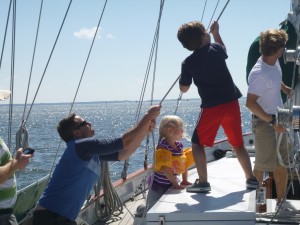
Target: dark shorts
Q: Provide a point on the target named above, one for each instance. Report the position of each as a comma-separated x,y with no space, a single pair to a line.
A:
228,116
156,192
8,219
46,217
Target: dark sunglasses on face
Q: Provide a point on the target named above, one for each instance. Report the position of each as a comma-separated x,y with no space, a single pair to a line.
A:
81,124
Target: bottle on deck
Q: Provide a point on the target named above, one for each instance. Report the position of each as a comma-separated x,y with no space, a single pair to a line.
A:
264,192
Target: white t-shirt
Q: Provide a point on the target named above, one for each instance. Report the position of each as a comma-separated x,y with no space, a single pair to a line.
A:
265,81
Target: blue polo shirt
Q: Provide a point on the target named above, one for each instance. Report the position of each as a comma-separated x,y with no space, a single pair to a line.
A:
76,173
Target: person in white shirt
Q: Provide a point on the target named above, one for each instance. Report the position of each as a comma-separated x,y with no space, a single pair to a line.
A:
263,100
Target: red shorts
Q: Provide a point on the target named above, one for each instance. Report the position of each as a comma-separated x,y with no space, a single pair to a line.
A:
228,116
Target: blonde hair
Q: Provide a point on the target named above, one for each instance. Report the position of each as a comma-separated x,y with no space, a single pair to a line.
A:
271,41
167,122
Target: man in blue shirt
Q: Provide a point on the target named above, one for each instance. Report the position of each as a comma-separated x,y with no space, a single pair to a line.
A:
79,167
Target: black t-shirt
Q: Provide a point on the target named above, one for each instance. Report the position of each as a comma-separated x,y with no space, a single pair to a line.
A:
207,68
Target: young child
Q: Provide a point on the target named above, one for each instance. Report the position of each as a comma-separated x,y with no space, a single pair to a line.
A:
206,68
171,159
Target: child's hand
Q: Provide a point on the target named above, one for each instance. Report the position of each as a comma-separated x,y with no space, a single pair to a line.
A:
214,28
185,182
177,186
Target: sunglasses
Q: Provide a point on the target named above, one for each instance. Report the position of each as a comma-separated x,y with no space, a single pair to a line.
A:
81,124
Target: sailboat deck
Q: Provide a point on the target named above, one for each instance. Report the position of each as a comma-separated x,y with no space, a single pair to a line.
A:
229,202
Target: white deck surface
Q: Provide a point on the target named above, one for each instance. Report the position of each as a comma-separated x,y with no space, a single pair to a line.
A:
229,202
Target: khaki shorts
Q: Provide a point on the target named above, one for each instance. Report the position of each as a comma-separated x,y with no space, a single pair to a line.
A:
266,158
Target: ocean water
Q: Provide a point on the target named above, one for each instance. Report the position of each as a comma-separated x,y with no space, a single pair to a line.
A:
109,119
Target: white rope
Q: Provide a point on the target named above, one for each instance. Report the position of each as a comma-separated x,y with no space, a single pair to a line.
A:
288,164
112,204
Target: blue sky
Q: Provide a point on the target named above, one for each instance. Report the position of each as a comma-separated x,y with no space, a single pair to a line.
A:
119,58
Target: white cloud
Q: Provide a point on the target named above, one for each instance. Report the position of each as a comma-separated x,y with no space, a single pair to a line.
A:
110,36
87,33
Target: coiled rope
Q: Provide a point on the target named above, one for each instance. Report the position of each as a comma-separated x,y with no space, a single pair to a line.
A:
112,204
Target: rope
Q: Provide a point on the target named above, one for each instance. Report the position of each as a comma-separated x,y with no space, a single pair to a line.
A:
154,47
66,13
22,140
280,160
154,43
12,75
48,61
213,15
33,54
5,33
203,10
223,10
219,14
82,71
88,56
161,101
178,102
112,204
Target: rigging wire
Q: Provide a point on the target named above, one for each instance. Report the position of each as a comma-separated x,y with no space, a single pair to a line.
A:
150,172
161,101
66,13
153,48
155,40
81,77
178,102
203,10
48,61
213,15
32,60
223,10
87,59
65,16
152,91
5,33
22,133
12,74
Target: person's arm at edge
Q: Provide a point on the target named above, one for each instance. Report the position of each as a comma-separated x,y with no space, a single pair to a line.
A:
133,137
17,163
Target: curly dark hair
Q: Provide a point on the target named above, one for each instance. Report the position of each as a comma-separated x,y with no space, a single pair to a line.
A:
191,35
